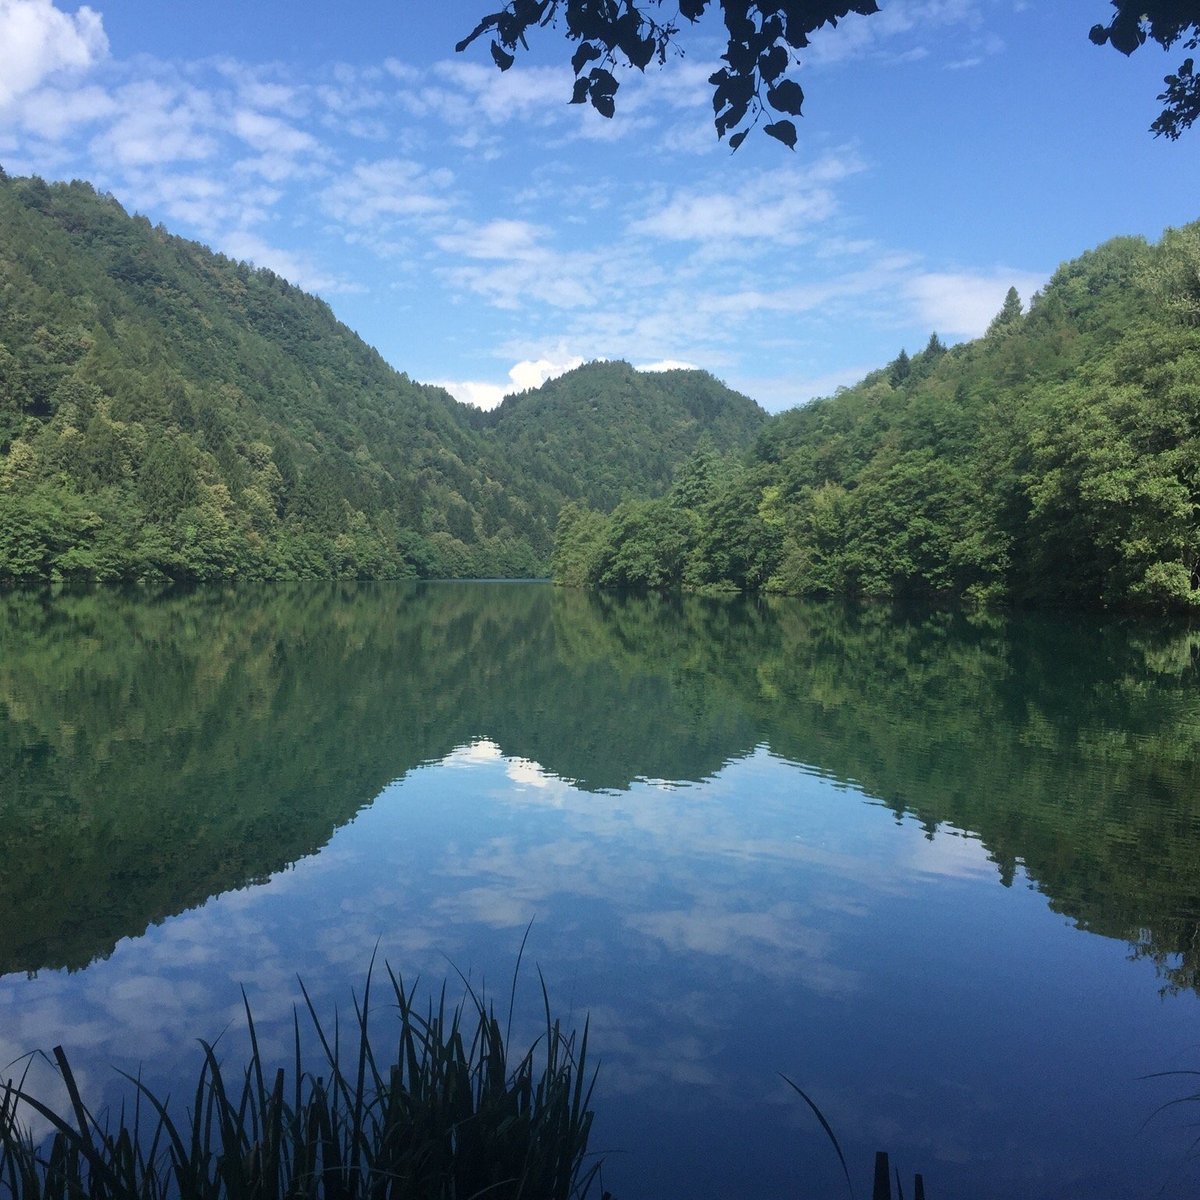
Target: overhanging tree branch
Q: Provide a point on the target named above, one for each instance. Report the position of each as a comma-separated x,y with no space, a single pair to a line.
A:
762,41
1166,22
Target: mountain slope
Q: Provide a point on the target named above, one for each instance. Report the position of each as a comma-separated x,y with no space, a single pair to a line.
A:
605,432
1055,461
166,412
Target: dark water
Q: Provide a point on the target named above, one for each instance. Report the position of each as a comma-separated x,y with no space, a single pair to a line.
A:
943,873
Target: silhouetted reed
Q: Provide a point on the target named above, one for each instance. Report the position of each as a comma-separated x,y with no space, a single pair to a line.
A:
448,1115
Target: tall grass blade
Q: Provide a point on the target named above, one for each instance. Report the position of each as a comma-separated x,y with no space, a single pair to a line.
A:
825,1126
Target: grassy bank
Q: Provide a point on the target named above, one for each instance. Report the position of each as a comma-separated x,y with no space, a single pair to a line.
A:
449,1113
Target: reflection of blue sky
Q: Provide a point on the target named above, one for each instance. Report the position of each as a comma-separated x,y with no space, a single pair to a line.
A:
767,920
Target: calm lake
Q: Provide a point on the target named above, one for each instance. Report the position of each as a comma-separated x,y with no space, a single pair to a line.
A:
943,872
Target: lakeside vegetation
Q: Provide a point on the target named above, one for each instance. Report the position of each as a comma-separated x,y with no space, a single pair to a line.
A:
167,414
1055,461
450,1113
170,415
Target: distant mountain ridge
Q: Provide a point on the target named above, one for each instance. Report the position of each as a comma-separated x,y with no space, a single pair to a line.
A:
168,413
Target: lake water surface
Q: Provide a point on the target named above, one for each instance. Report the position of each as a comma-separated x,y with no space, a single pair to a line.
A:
942,872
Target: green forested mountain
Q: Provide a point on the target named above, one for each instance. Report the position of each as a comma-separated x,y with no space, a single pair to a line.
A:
1056,460
562,434
167,413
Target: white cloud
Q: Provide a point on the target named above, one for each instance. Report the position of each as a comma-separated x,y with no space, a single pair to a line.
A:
53,113
502,238
525,269
479,395
529,373
962,304
467,92
857,37
388,189
37,40
780,206
158,124
296,268
268,133
668,364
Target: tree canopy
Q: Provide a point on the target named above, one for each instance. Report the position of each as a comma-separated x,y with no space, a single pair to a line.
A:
169,414
764,38
1052,462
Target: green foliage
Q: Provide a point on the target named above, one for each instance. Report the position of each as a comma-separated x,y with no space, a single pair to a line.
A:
1051,462
168,414
647,546
605,433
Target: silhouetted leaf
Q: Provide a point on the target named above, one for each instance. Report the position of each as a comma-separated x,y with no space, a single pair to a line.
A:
786,96
773,64
738,138
782,131
602,83
501,57
585,54
731,117
640,52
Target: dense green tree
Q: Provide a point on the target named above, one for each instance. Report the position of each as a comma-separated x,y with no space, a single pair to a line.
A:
189,418
1055,461
647,546
1009,316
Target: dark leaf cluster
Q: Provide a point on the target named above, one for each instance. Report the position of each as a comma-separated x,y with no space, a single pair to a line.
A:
1133,23
762,40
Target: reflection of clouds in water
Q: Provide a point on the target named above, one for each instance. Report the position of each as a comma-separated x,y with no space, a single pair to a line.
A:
498,908
527,774
773,941
480,751
950,854
667,913
626,849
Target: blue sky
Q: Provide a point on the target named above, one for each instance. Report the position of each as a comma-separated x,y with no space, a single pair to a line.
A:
483,234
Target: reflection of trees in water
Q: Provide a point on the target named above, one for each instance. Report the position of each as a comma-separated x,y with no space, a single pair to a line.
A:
155,752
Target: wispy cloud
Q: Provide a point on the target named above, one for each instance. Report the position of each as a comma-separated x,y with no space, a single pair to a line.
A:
962,304
157,124
781,207
388,189
38,41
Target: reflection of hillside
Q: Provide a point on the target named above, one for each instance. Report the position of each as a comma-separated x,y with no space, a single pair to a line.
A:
155,753
1069,746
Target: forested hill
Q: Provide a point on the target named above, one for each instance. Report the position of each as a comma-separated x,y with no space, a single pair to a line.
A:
1054,461
563,433
167,413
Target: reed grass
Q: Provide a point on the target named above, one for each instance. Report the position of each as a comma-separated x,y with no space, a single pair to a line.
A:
450,1114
